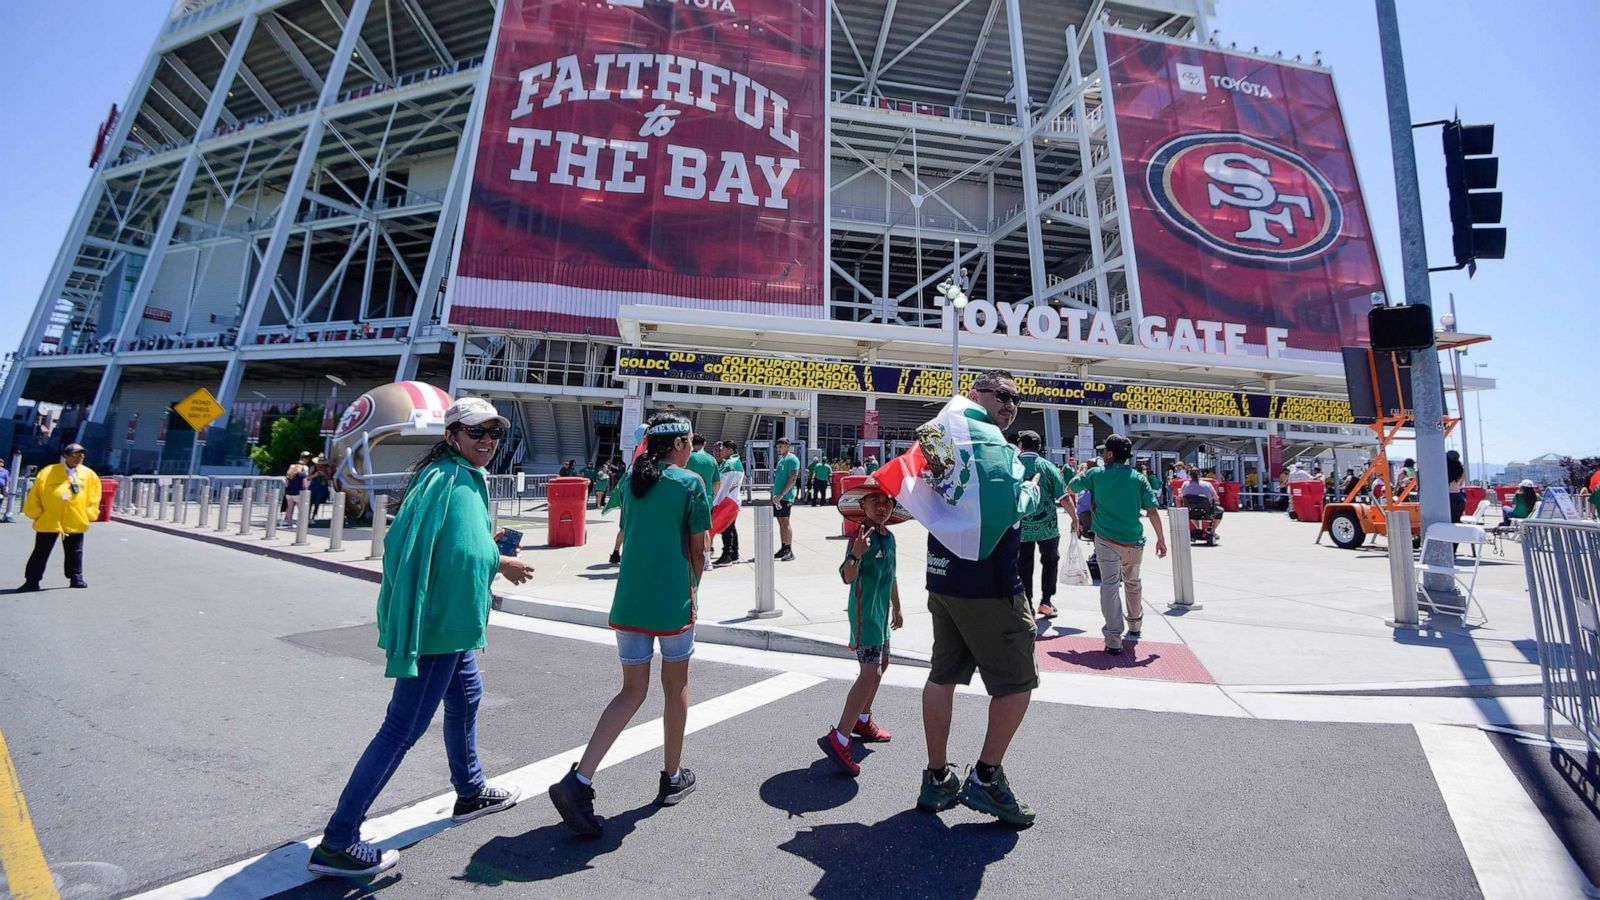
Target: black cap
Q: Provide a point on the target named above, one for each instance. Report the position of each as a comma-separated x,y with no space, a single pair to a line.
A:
1121,448
71,448
1029,440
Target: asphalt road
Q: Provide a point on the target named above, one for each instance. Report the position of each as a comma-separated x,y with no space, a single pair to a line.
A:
198,706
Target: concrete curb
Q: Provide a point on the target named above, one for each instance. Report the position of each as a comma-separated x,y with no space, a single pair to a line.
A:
780,639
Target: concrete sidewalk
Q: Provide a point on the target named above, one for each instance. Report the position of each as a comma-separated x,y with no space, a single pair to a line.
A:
1280,612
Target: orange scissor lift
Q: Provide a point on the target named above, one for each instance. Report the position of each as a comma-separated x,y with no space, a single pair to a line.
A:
1348,522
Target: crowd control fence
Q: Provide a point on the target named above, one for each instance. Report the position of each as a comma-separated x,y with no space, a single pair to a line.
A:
1562,564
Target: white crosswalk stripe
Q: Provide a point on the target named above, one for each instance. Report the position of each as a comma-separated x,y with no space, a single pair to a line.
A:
284,867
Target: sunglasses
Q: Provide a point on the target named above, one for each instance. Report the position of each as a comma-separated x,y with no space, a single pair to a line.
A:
478,432
1002,395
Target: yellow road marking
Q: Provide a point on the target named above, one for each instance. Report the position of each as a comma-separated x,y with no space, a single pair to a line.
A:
27,874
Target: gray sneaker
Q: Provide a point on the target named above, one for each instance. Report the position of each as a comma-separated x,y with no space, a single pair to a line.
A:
995,799
939,794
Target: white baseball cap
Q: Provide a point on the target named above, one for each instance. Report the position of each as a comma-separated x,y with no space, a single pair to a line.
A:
473,411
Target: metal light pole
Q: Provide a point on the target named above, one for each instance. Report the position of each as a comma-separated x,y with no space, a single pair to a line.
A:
1483,461
1447,322
333,402
1428,402
954,291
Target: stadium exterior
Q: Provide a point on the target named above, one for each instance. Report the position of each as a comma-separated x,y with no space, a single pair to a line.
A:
279,199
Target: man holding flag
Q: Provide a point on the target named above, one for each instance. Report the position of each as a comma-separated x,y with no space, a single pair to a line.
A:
965,484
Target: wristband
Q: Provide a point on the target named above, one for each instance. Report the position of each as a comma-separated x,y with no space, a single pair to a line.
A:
852,560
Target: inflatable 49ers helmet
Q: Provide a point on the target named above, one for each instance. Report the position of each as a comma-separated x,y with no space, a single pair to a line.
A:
381,435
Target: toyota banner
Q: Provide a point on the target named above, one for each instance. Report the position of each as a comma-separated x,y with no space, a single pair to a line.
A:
648,152
1243,197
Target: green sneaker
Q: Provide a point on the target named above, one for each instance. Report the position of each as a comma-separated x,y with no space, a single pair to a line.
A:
939,794
996,799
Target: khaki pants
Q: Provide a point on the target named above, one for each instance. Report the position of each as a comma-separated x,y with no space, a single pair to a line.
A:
1119,566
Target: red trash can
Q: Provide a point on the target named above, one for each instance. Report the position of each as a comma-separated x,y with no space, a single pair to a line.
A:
1177,491
1475,495
569,498
1505,493
108,494
1228,495
1305,498
834,480
844,481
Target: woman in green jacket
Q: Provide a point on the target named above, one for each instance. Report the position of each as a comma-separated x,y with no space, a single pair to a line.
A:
439,556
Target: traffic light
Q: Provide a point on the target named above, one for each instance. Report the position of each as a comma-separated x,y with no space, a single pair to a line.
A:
1470,171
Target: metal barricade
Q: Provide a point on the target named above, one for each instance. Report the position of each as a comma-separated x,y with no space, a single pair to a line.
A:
1562,565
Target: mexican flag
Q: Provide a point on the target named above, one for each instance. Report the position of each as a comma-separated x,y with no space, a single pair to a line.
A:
961,480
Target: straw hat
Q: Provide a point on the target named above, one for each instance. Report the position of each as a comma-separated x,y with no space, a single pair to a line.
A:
850,503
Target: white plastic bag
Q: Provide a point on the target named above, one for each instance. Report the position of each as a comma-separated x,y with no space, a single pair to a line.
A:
1074,570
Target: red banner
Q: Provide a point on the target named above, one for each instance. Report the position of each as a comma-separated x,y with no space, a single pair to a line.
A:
161,428
1243,198
869,425
133,427
648,152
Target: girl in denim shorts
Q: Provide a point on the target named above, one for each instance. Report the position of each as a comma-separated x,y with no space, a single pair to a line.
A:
874,611
666,516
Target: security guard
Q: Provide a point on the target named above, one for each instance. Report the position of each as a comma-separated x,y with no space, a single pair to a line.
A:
65,497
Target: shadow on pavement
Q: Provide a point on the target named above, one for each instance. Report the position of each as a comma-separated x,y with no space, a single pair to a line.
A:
549,852
1102,661
815,788
942,861
329,888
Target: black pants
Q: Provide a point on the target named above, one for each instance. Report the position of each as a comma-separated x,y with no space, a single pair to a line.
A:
43,543
730,541
1050,555
819,492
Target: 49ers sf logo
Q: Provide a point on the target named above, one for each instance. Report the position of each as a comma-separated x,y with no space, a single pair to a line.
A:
355,415
1243,197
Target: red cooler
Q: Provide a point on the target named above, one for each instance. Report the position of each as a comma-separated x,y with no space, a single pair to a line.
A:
844,481
108,495
1228,495
569,498
1305,498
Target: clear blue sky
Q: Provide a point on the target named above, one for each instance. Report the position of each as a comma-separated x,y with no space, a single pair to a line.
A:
1526,69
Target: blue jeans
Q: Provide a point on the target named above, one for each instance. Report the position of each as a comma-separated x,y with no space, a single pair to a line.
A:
450,677
636,648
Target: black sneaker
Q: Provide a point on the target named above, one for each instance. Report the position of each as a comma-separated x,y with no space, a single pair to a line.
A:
77,583
939,794
616,558
670,794
359,860
489,800
28,587
574,800
996,799
786,555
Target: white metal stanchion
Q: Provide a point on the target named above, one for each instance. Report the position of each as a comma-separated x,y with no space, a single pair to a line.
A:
336,522
380,522
222,509
302,519
247,509
205,506
766,597
1402,577
270,530
161,500
180,490
1182,561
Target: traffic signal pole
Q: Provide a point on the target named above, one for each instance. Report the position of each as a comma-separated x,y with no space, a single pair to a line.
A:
1428,399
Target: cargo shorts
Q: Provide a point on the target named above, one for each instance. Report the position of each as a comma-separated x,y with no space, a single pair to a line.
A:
993,636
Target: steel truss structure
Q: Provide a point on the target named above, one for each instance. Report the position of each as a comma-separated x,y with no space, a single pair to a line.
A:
281,193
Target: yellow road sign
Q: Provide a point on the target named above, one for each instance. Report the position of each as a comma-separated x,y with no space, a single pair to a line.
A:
199,409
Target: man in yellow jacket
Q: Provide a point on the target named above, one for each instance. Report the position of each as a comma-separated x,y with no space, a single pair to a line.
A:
64,499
